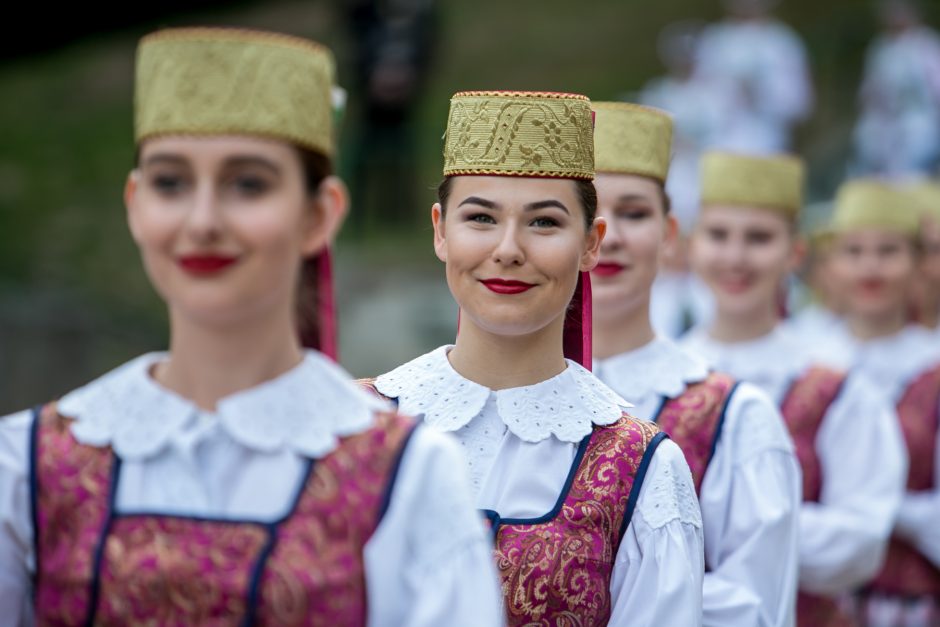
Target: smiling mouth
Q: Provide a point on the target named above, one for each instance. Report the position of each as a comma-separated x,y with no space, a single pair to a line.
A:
606,269
503,286
735,286
205,264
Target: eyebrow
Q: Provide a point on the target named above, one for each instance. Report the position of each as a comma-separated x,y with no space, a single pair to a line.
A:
532,206
236,161
632,197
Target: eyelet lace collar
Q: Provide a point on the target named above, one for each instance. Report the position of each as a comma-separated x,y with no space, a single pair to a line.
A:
564,406
305,410
660,368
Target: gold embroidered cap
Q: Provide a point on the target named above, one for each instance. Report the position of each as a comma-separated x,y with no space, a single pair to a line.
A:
874,204
926,195
209,81
766,182
632,139
519,133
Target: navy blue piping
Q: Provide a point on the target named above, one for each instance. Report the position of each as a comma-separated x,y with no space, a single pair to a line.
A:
662,406
393,475
638,482
721,420
34,490
254,587
99,549
298,492
495,518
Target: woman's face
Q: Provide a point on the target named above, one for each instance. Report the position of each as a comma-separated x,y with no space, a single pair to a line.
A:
743,255
513,248
930,254
877,268
224,222
638,232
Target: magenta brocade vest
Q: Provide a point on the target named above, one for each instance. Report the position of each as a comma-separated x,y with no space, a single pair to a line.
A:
906,571
804,408
96,566
556,569
694,420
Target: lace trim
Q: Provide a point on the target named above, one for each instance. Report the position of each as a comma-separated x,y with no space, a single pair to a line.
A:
661,367
305,410
565,406
668,493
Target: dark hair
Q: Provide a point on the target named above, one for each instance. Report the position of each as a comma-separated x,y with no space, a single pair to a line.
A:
316,167
587,194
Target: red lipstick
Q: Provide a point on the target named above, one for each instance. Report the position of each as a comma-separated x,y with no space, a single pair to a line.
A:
504,286
606,269
205,264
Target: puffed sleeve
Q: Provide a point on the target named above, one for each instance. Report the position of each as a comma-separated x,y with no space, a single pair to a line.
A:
843,537
430,562
16,529
657,576
920,511
750,500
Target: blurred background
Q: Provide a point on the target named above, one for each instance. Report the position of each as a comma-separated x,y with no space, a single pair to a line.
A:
74,301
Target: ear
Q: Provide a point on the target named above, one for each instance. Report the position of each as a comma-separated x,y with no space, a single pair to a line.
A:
130,202
595,236
326,211
437,222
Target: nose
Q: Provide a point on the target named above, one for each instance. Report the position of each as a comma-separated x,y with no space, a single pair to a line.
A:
613,238
204,219
735,252
508,250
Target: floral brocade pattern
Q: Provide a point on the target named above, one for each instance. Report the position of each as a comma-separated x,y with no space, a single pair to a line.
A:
804,407
692,420
73,487
520,134
173,570
557,573
906,571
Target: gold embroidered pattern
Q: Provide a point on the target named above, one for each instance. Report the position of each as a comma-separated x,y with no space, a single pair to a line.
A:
558,572
772,182
230,81
519,134
632,139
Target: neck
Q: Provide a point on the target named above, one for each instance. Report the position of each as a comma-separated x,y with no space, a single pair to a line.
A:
500,361
873,327
731,328
209,361
929,314
623,334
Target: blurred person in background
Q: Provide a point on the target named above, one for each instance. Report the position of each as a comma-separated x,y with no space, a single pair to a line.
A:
701,108
743,467
394,42
744,247
235,478
876,254
898,130
926,294
764,62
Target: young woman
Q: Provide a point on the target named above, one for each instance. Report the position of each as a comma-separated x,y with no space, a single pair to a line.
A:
742,460
234,479
743,248
593,512
876,251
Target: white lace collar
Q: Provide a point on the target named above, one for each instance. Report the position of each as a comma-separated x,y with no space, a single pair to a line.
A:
565,406
766,361
896,359
305,409
660,367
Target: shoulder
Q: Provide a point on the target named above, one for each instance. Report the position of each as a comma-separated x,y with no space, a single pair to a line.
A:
753,424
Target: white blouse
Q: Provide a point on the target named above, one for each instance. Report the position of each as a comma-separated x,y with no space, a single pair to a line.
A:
750,493
844,536
895,362
520,444
428,562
